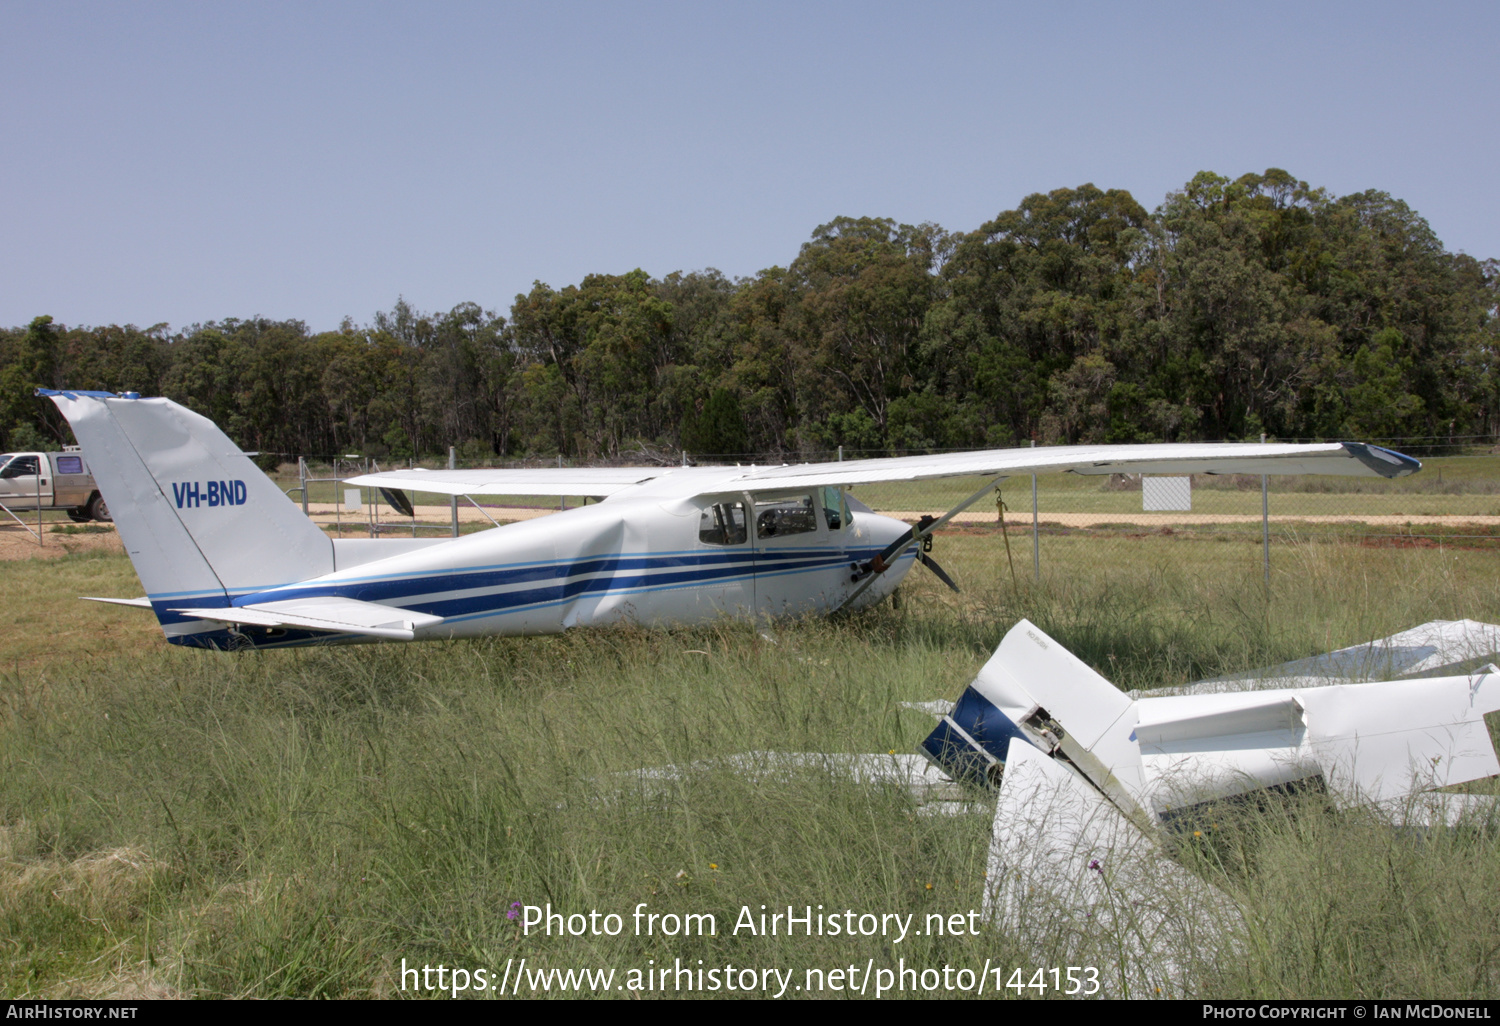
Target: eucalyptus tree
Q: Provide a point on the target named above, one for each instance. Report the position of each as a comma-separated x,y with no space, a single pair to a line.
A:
864,286
1037,301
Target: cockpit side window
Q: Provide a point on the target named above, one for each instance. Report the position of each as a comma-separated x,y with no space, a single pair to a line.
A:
835,509
792,514
723,524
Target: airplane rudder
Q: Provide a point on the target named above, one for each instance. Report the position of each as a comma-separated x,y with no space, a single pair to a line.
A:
254,536
159,546
199,498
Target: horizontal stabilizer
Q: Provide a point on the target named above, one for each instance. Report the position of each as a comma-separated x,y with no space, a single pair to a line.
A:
140,603
333,614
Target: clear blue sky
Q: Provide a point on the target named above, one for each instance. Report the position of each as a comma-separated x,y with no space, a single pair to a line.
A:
168,162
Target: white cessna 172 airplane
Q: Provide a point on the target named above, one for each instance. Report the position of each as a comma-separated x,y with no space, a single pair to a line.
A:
228,562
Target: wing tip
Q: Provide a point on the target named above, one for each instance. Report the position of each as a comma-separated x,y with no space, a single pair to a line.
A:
1385,462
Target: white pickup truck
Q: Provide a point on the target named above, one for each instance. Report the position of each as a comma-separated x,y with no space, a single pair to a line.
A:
50,480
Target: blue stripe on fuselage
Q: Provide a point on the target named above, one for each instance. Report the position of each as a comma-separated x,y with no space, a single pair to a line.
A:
374,589
572,579
710,567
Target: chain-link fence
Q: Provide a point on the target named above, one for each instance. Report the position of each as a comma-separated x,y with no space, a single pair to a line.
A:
1243,526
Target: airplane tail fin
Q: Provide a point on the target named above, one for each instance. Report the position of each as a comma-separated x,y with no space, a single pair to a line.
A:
200,521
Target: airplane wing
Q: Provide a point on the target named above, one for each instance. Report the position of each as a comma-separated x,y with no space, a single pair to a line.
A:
330,613
544,481
1345,458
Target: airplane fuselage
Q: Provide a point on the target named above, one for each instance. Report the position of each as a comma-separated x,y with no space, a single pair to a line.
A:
646,560
228,562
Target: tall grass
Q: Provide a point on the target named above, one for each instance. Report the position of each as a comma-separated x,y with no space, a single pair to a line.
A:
298,823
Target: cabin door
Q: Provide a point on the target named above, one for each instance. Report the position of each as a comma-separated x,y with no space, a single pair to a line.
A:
801,566
18,482
723,564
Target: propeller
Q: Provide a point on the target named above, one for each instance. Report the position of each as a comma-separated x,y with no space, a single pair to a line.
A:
881,563
942,574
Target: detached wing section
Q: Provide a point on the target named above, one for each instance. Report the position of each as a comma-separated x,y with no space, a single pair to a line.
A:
332,614
1347,458
544,481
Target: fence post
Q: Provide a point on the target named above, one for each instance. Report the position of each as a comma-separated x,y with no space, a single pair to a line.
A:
1265,527
302,481
1036,538
452,499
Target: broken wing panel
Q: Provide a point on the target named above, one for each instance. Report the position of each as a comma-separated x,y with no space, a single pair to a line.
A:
1206,746
1032,687
1079,883
1436,648
1031,664
1386,740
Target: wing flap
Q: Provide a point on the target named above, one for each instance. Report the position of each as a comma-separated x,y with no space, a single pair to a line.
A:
332,614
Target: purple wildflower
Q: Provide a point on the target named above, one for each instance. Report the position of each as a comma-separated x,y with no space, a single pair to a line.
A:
514,913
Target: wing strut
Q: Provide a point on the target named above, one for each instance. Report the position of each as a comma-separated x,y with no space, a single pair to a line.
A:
866,573
481,510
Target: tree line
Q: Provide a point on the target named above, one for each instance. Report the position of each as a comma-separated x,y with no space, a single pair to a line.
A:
1236,307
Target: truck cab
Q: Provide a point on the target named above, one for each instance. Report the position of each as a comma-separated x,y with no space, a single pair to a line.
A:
50,481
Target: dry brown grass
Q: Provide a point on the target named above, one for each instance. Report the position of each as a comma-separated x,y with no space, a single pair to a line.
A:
104,892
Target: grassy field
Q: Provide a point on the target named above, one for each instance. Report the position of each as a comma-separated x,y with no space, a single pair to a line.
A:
299,823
